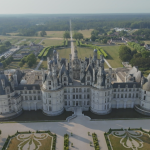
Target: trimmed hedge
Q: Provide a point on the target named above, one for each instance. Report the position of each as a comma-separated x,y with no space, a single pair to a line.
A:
66,142
95,141
28,132
41,53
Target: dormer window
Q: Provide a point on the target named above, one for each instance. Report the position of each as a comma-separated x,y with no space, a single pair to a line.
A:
65,79
49,82
88,78
126,86
107,80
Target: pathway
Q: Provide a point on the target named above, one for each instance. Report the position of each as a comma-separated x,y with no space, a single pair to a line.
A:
107,63
72,45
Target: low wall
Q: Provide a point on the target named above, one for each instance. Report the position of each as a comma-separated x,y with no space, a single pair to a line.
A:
142,111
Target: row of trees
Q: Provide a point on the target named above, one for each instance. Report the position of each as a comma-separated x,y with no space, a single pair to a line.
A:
30,60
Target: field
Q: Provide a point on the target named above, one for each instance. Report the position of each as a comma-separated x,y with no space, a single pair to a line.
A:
52,42
86,33
53,34
129,139
113,56
147,42
31,141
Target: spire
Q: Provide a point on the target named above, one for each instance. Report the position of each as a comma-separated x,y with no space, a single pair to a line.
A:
75,53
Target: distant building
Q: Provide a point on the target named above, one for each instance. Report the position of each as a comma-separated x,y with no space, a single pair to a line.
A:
147,46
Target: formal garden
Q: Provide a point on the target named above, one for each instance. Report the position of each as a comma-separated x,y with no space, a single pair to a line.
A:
131,139
41,140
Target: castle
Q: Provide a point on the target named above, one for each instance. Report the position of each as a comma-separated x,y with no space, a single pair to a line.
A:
74,83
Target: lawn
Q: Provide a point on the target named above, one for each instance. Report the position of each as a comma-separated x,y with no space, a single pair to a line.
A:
86,33
54,34
64,53
131,136
43,65
115,141
147,42
113,56
52,42
30,141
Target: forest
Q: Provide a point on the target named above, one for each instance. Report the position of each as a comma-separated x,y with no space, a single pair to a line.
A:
29,25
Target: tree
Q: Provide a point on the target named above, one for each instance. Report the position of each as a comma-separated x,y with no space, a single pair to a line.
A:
93,37
77,35
125,53
21,64
43,33
7,43
66,35
104,41
145,54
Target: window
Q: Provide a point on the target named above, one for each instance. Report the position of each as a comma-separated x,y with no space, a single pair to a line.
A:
49,82
118,95
84,90
88,90
34,97
65,96
144,92
130,95
76,96
73,90
64,84
65,90
68,96
66,103
114,90
84,96
65,79
107,80
114,95
88,96
125,95
88,78
136,95
144,97
80,90
80,97
73,96
88,103
49,102
76,89
121,95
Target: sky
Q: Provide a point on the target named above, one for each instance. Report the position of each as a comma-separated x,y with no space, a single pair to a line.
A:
73,6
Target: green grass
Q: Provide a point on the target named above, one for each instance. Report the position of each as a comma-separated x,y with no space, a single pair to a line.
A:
115,141
54,34
64,53
86,33
43,65
113,56
147,42
52,42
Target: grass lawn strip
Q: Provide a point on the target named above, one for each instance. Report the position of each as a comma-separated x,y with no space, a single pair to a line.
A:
66,142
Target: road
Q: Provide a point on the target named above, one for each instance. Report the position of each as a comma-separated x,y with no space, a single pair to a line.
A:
72,45
107,63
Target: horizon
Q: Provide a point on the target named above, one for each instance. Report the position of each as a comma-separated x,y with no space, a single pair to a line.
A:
73,7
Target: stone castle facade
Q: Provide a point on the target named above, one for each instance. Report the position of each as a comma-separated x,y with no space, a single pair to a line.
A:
74,83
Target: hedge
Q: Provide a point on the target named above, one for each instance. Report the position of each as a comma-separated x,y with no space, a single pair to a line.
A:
28,132
95,141
66,142
41,53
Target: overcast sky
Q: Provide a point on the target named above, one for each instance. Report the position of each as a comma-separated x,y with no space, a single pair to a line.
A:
73,6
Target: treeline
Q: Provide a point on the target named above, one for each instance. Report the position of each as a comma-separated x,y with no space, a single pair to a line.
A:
136,58
29,25
100,51
136,46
